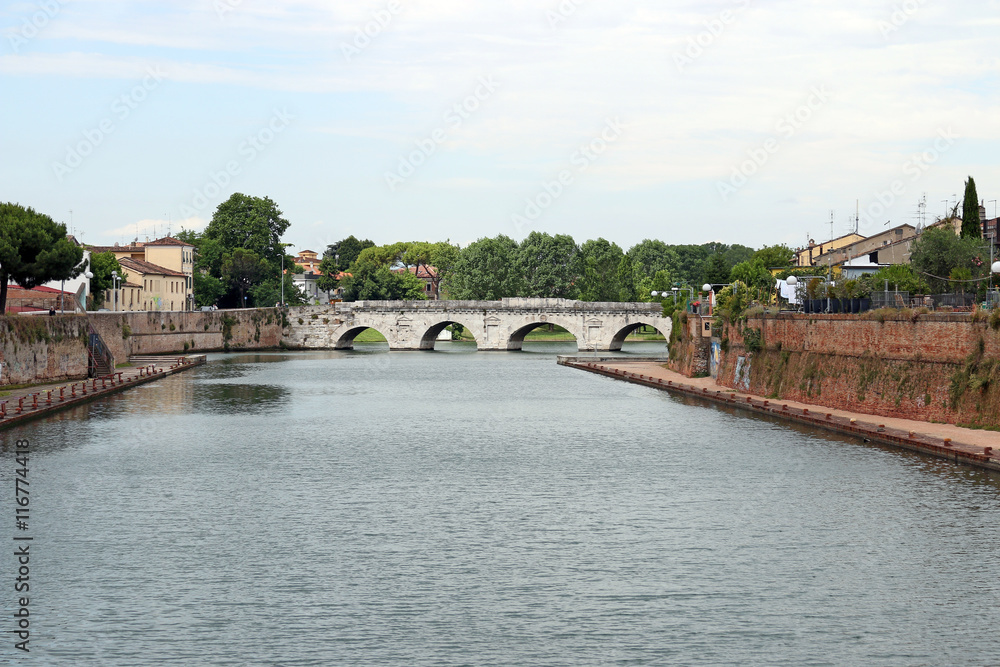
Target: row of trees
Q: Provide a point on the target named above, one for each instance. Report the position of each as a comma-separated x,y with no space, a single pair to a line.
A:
542,265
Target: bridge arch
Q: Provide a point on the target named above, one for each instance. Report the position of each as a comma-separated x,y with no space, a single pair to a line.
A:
346,339
429,337
623,333
516,339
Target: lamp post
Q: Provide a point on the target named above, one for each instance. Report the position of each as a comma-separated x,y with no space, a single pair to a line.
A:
994,270
791,281
708,288
114,287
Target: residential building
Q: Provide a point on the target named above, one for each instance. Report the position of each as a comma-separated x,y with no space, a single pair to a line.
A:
163,270
309,260
147,286
865,245
807,256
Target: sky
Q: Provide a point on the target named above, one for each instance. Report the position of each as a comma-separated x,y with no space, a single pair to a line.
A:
742,121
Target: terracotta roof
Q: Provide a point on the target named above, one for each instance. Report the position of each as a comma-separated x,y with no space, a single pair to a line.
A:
420,272
170,240
147,268
40,290
128,284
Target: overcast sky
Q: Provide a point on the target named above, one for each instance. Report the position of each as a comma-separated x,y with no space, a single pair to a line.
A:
735,121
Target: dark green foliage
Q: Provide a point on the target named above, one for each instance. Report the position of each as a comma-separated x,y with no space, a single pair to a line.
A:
547,265
101,265
939,250
486,269
971,227
34,250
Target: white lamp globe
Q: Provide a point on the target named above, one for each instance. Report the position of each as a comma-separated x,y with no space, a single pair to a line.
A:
996,267
791,280
654,293
706,288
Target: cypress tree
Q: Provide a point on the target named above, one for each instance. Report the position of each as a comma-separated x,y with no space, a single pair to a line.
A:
970,212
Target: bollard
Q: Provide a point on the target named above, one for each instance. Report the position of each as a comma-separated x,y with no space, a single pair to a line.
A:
72,389
766,403
61,393
20,404
749,400
104,383
34,401
784,407
94,385
853,420
988,451
48,398
3,410
829,415
670,381
947,442
805,411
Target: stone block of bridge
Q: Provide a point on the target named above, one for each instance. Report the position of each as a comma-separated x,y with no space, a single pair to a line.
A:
496,325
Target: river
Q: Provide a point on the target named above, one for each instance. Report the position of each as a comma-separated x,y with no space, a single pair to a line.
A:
464,508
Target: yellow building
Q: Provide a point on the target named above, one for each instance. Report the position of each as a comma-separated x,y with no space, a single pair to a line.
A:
162,269
808,256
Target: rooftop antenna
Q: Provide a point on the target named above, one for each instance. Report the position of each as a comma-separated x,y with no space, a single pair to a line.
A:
857,214
72,229
831,223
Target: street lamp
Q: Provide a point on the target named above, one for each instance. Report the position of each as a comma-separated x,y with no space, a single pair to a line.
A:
114,286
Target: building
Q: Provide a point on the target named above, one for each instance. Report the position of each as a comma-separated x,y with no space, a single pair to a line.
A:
866,245
308,260
807,256
162,271
40,299
146,286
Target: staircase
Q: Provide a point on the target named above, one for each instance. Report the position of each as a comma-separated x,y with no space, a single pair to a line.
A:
100,360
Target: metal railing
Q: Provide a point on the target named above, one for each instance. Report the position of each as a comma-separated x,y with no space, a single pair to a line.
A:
101,361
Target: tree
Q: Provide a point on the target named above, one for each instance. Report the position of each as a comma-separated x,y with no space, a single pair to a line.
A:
485,270
601,271
938,250
340,255
101,265
241,270
754,274
34,250
370,281
547,265
269,292
971,226
900,277
436,259
208,289
775,256
717,270
250,223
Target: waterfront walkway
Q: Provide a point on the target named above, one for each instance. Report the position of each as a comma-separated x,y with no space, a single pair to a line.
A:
23,404
976,447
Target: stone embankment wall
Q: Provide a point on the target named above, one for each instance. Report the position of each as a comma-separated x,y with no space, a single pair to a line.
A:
932,367
689,347
39,348
42,349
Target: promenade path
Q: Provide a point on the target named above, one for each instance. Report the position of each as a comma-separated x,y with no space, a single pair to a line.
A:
22,404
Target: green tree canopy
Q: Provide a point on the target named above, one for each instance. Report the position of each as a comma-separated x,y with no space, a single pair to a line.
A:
754,274
971,226
486,270
547,265
900,277
775,256
370,281
340,255
34,249
602,271
101,266
250,223
243,269
717,270
938,250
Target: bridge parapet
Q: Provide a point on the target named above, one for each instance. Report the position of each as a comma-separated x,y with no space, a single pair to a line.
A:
496,325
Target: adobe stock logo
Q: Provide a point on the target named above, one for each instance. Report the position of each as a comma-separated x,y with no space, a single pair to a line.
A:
581,159
426,147
122,107
787,127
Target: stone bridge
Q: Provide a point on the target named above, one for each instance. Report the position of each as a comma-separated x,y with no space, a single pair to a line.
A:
496,325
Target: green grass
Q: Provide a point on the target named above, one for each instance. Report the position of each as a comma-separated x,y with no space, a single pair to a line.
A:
369,336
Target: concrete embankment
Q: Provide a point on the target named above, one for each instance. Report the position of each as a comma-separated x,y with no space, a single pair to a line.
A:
21,405
972,447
